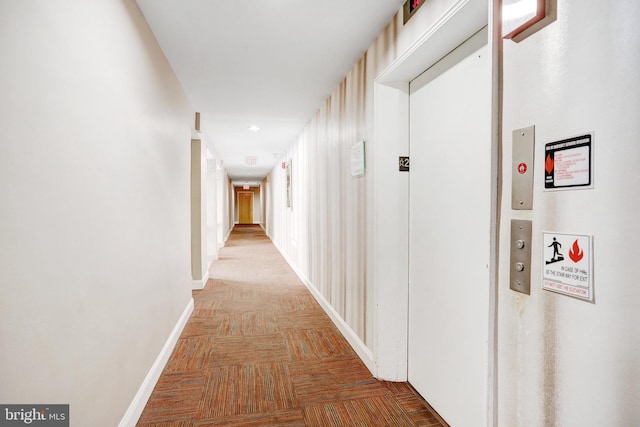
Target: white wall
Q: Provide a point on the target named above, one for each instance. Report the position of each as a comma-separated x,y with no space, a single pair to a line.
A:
212,209
199,213
257,205
94,218
222,203
230,205
562,361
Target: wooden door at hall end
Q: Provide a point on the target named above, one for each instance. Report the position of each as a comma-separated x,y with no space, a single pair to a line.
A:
245,207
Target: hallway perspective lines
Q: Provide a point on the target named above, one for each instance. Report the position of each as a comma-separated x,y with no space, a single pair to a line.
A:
260,351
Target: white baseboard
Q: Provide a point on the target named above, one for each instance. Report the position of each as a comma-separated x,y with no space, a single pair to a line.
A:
352,338
141,398
197,285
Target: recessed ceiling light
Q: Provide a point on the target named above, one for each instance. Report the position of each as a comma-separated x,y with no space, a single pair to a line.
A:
254,128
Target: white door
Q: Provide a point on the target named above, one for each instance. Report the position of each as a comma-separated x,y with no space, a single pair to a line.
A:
449,243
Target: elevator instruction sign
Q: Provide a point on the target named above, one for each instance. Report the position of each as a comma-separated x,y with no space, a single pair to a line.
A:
568,264
567,164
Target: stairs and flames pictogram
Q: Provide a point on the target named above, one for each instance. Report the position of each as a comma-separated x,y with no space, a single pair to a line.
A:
576,253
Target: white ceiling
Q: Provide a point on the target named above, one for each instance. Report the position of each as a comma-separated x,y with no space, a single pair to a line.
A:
268,63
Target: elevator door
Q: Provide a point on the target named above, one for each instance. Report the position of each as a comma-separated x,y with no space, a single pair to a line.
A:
449,243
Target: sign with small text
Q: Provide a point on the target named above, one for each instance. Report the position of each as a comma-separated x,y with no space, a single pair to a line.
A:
403,164
567,163
358,165
410,7
568,264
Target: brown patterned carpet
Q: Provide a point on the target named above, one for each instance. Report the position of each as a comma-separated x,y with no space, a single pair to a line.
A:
260,351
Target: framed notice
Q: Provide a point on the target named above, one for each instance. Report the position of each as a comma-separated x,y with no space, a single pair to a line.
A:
357,159
289,184
568,163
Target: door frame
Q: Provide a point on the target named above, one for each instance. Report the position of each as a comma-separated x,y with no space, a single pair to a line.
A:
390,268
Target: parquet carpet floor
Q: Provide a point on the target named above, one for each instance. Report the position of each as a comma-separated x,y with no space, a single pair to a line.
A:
260,351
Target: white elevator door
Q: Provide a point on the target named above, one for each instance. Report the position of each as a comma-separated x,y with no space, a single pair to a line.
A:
449,243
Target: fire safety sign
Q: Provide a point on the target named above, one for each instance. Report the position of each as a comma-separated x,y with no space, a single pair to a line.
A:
568,264
567,164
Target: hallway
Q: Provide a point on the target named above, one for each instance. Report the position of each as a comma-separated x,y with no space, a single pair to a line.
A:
260,351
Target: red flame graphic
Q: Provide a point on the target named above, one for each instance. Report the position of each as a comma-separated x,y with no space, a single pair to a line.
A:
548,164
576,253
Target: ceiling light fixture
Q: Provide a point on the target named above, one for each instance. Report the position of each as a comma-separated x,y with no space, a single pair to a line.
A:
254,128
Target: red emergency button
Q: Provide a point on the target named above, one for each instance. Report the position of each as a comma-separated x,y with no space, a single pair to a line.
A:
522,168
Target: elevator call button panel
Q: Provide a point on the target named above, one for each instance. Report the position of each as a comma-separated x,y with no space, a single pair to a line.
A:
522,168
520,277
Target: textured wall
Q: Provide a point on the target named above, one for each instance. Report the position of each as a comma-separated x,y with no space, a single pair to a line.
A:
327,231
